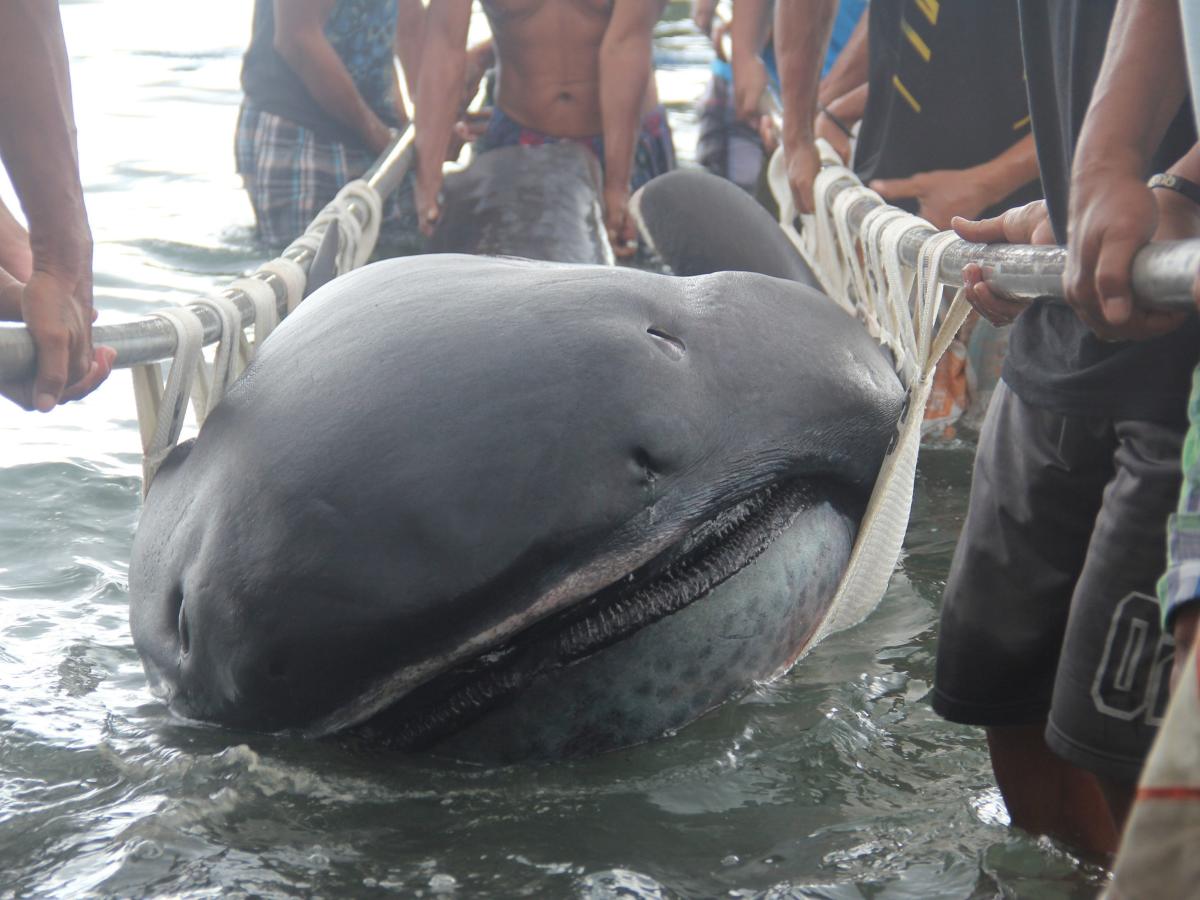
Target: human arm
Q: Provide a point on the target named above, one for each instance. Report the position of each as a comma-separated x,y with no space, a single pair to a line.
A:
410,38
16,257
1140,88
748,35
37,145
946,193
802,29
439,93
1028,224
850,69
703,12
835,120
300,40
625,53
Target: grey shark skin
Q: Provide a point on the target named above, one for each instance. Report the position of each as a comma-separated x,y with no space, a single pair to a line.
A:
511,510
539,202
698,224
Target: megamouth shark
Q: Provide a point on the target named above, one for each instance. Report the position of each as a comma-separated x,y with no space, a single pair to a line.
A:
507,509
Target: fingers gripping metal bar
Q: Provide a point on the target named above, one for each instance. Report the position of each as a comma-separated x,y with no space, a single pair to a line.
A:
153,339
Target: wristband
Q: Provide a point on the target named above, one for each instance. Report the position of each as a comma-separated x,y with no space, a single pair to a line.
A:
1176,183
842,127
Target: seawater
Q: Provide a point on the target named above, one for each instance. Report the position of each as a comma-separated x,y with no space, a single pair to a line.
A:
835,782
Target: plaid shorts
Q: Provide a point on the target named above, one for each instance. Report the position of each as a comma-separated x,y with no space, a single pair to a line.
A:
726,146
290,173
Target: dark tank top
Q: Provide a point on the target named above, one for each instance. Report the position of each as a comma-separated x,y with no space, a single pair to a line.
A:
362,33
938,100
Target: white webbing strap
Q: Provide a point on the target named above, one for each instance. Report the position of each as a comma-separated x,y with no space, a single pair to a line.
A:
356,240
903,308
216,379
162,408
266,307
294,278
881,533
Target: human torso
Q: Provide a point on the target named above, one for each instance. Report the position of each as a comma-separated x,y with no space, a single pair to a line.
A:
549,62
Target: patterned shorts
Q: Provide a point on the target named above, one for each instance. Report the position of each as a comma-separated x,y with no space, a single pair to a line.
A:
290,173
654,152
1049,613
726,146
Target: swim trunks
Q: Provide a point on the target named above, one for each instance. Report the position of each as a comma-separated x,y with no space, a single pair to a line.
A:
654,152
727,146
290,173
1049,611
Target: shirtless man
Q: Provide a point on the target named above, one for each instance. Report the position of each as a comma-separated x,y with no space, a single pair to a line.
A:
568,69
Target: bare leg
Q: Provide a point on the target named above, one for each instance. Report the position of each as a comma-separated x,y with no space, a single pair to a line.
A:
1119,795
1047,795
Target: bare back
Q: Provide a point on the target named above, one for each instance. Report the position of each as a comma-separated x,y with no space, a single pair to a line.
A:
549,62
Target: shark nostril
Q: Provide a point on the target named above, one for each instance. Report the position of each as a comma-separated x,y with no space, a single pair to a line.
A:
668,343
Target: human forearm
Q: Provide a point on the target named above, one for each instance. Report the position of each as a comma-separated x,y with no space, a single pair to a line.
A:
802,29
750,26
850,69
410,38
1014,168
37,138
438,95
15,256
1139,90
748,35
849,107
624,71
313,59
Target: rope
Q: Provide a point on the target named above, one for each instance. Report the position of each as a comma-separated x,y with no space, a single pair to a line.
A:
904,309
266,309
162,408
216,379
356,239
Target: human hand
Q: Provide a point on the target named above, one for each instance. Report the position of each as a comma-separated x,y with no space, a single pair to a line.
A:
1112,217
1185,632
942,194
768,133
749,84
59,316
471,127
427,197
702,14
379,137
619,222
1028,224
803,163
825,127
480,58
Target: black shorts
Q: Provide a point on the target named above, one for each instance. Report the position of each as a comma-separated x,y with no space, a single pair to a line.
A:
1050,612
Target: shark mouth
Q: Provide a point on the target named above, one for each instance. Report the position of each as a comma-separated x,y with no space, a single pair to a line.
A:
711,554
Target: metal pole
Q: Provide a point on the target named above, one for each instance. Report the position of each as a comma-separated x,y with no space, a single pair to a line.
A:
153,339
1162,272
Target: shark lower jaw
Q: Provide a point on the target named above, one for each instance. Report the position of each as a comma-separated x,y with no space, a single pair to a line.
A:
710,555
